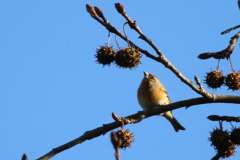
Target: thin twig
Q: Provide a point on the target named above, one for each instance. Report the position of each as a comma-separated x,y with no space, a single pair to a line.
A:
231,64
198,82
218,65
224,118
124,30
117,41
117,155
108,40
230,29
216,157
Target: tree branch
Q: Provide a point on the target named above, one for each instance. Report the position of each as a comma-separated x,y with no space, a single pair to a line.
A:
162,59
135,118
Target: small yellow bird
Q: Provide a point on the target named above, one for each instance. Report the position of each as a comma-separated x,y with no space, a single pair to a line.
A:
151,94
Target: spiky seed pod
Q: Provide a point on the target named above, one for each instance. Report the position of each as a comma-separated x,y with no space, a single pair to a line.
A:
221,141
235,136
214,79
219,137
229,151
126,138
233,81
128,57
105,55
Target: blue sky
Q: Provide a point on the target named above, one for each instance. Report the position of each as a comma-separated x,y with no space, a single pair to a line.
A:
52,91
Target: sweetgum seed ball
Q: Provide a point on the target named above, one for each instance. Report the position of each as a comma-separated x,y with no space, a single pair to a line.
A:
126,138
233,81
214,79
105,55
128,58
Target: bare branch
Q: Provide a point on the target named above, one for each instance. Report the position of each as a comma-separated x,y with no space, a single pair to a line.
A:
162,59
135,118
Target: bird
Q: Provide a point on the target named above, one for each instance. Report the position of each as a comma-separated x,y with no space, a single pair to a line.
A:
151,94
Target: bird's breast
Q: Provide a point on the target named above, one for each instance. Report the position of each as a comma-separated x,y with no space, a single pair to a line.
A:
150,99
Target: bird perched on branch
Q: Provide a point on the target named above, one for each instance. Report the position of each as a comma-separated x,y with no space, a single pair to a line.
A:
152,94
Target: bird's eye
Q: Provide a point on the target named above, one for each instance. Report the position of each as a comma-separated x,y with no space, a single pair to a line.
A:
151,77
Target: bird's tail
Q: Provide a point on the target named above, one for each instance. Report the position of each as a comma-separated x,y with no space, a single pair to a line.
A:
176,125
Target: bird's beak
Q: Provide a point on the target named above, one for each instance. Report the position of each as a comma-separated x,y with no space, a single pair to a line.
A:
145,74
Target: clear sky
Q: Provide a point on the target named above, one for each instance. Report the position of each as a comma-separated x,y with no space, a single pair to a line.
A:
52,91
